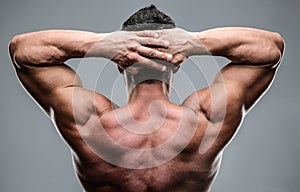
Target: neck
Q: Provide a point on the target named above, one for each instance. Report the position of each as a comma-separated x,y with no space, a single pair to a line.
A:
146,93
147,90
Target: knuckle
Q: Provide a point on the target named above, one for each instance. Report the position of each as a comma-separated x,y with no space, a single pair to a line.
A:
139,33
133,47
131,56
131,36
151,53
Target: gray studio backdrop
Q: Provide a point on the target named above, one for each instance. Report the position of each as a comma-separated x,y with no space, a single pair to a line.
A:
264,156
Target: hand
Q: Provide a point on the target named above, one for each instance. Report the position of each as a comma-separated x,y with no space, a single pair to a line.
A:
128,48
182,44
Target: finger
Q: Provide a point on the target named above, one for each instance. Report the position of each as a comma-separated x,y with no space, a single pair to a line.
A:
151,64
153,42
152,53
178,59
148,33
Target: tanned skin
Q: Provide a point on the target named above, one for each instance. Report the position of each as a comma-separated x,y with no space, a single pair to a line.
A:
78,113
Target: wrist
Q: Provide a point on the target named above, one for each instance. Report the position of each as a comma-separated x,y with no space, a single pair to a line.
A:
199,46
93,46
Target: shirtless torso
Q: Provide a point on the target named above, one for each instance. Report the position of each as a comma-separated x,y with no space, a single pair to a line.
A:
171,168
149,144
174,164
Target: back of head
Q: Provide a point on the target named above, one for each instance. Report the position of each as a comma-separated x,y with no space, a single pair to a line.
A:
148,18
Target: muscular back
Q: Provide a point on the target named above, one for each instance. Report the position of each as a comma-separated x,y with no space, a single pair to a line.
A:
128,149
165,148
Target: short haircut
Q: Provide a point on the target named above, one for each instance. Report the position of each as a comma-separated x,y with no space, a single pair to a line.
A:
148,18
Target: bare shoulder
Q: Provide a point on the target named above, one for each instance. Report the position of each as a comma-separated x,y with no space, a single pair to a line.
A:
76,104
221,116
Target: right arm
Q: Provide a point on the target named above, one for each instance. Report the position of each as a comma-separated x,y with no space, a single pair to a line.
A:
255,56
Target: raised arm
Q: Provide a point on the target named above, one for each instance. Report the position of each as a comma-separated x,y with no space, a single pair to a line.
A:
56,46
255,55
39,59
243,45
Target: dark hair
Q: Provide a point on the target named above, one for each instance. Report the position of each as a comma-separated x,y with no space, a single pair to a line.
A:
148,18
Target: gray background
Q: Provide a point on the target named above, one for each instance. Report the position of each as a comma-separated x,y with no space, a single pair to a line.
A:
264,156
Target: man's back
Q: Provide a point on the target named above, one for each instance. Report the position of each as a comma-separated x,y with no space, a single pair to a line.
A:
118,149
131,149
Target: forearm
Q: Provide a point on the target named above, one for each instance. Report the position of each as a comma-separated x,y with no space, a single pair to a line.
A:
52,46
243,45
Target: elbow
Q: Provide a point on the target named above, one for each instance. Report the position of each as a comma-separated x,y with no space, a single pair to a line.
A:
13,44
278,49
279,42
20,51
14,48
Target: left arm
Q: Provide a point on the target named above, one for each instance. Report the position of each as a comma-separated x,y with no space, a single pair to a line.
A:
39,57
